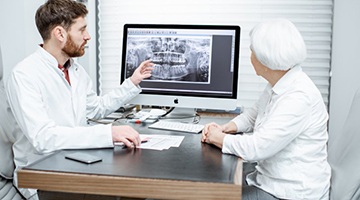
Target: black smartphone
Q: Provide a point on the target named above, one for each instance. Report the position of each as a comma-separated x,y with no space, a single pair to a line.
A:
83,157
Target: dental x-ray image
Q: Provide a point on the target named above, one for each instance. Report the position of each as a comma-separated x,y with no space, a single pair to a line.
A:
185,59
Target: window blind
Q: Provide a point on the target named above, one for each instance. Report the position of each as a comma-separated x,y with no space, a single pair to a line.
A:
312,18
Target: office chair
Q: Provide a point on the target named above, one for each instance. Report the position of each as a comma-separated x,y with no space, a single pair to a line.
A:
8,132
344,157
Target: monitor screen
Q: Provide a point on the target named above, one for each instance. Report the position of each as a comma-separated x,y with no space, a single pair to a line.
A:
196,66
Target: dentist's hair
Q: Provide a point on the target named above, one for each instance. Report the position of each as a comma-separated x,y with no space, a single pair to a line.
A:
58,13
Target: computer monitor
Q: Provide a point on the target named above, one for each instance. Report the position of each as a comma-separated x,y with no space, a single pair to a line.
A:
196,66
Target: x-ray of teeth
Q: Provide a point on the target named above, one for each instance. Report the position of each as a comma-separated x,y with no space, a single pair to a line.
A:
176,58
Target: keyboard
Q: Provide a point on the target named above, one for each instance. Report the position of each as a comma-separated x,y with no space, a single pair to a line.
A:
177,126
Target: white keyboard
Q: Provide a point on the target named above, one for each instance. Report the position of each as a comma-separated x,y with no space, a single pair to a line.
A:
177,126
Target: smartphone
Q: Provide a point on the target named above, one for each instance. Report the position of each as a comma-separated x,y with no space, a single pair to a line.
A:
83,157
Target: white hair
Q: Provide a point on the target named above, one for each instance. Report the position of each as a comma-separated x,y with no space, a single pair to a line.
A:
278,44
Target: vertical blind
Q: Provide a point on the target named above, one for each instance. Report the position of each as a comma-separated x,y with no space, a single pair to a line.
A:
312,18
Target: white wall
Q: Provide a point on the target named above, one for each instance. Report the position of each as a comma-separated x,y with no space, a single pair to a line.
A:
18,35
345,62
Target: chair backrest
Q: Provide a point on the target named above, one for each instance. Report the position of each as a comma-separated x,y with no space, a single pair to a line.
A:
8,127
6,153
1,66
344,156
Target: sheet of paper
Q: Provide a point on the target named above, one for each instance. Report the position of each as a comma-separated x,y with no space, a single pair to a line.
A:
161,142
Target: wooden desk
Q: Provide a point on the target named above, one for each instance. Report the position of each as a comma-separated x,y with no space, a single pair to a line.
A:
192,171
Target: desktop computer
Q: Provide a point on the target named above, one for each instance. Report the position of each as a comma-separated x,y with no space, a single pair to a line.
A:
196,66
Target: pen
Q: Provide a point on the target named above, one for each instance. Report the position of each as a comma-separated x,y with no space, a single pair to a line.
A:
136,121
139,121
122,144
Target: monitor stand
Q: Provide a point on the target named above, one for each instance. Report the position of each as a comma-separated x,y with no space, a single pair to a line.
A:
185,114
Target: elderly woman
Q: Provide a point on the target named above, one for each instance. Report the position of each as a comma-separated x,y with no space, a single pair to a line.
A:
285,132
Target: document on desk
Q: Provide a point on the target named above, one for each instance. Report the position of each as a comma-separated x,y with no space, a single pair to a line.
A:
161,142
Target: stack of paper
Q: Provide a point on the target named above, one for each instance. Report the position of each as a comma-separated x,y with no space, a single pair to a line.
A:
160,142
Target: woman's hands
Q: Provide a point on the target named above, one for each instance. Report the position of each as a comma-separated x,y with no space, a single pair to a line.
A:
214,133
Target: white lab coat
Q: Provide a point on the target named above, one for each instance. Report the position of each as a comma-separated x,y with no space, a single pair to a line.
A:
52,113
